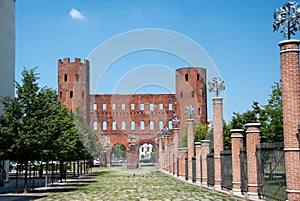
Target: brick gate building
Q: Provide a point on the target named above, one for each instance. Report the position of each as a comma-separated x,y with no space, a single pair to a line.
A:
131,119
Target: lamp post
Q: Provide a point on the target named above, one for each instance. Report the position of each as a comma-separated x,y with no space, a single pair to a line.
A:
176,122
287,17
189,111
216,85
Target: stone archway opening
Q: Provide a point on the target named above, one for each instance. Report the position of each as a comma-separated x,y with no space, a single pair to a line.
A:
118,155
147,153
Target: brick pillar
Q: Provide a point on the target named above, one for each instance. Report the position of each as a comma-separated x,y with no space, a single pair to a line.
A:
204,152
166,141
198,153
182,155
160,139
218,138
168,158
252,139
171,157
236,144
190,144
290,79
176,146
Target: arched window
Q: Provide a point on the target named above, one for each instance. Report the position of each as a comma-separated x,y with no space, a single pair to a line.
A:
123,126
114,126
95,125
170,125
161,125
151,125
132,125
142,125
104,125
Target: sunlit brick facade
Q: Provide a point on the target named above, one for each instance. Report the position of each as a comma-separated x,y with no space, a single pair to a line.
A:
131,119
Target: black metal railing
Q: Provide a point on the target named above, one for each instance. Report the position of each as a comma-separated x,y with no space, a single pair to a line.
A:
271,171
186,168
194,169
226,169
244,173
201,175
210,169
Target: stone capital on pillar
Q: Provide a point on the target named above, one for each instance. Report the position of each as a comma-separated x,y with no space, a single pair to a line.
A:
287,42
190,121
198,144
252,126
237,133
217,100
205,143
175,129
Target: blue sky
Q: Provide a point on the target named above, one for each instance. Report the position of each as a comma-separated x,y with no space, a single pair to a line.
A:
237,35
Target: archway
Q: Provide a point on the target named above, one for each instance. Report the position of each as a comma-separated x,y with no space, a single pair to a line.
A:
118,154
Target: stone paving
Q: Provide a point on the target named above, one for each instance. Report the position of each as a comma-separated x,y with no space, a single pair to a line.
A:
118,184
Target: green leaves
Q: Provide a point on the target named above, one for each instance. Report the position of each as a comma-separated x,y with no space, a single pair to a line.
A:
35,126
269,116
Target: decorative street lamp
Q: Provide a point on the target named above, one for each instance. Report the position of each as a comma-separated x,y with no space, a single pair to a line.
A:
159,133
216,85
175,121
189,111
287,17
163,131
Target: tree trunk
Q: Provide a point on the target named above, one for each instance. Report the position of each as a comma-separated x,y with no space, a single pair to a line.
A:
46,176
25,178
17,178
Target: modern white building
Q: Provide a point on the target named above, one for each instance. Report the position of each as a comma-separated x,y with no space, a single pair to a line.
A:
7,58
145,152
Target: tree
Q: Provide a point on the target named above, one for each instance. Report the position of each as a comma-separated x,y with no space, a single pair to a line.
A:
269,116
35,126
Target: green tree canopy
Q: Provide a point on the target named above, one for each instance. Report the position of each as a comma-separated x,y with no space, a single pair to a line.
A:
269,116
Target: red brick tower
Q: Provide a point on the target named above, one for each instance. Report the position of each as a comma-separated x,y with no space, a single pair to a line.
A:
73,85
191,90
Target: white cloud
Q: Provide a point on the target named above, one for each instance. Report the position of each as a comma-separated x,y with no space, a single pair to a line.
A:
75,14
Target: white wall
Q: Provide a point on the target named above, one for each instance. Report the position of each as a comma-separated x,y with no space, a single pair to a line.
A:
7,54
7,48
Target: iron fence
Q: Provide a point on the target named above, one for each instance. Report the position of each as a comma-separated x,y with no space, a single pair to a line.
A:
210,170
226,169
244,174
201,177
271,171
194,169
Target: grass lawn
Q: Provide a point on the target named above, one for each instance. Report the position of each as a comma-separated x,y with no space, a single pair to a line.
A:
111,184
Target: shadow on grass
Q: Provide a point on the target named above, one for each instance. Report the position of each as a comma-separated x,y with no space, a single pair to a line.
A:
41,192
19,197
